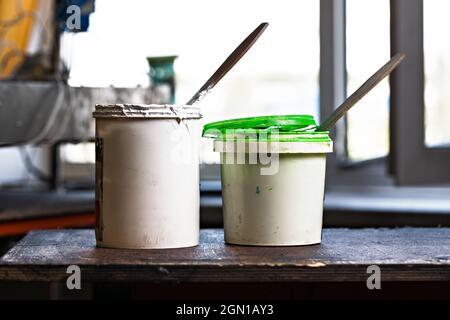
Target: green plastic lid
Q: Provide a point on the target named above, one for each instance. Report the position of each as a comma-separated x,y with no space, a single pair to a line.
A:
281,128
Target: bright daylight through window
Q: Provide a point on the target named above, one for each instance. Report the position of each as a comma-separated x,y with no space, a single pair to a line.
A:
437,73
367,50
280,75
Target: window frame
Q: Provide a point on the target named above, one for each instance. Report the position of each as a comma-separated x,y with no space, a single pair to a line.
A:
411,161
333,91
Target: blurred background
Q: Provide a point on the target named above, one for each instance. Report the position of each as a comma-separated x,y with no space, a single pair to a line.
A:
58,58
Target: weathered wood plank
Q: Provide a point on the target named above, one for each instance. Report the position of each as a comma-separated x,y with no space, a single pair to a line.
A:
406,254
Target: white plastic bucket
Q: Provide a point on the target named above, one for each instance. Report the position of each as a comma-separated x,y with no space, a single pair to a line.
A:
272,186
147,176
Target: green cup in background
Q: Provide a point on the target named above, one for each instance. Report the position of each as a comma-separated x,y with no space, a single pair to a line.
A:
162,72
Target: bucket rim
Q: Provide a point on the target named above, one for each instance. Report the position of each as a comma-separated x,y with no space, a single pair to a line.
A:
146,111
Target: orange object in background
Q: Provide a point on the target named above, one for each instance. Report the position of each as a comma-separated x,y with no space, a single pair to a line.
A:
22,227
16,25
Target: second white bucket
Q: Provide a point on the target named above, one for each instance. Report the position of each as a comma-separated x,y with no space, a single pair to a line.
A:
147,176
273,176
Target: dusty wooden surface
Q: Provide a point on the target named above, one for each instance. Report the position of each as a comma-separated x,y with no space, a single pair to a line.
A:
406,254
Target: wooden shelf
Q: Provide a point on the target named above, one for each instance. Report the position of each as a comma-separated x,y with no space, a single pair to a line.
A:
404,254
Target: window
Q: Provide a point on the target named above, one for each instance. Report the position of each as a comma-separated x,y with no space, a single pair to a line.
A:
415,124
437,73
367,49
278,75
404,121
